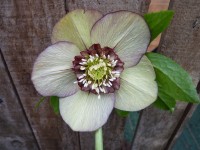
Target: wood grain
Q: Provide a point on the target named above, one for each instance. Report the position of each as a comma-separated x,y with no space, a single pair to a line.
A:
114,128
15,132
157,129
25,30
190,136
106,6
188,133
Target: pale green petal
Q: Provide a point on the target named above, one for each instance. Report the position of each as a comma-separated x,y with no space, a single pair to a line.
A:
85,112
75,27
52,73
124,31
138,88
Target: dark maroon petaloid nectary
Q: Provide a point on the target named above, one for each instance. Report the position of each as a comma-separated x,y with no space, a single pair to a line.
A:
98,69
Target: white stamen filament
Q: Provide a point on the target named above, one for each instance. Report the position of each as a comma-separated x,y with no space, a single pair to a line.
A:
110,83
114,62
102,89
111,75
90,59
91,56
99,73
82,68
117,75
106,76
83,63
81,80
84,81
83,59
112,79
83,75
86,84
97,90
100,83
94,85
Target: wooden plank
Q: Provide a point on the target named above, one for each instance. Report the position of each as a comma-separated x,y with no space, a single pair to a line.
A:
190,138
188,120
158,129
114,129
15,132
25,30
106,6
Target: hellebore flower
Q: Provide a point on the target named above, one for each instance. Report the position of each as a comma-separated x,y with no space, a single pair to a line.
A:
96,63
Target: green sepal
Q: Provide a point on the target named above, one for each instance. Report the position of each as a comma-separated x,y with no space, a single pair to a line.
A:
158,22
122,113
173,79
54,102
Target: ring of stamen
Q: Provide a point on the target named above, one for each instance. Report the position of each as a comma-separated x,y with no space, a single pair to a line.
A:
98,70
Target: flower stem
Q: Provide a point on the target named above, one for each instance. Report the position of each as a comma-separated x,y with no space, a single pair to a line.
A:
99,139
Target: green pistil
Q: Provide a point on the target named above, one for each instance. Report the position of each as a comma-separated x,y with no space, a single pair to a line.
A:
97,74
98,69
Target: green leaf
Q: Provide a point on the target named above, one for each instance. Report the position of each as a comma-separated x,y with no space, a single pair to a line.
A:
164,101
169,101
39,102
160,104
172,79
122,113
158,22
54,102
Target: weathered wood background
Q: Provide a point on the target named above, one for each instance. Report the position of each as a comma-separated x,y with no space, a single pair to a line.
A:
25,30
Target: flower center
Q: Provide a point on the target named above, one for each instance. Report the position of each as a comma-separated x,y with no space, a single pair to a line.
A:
98,69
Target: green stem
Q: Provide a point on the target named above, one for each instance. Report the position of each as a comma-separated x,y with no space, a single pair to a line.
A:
99,139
